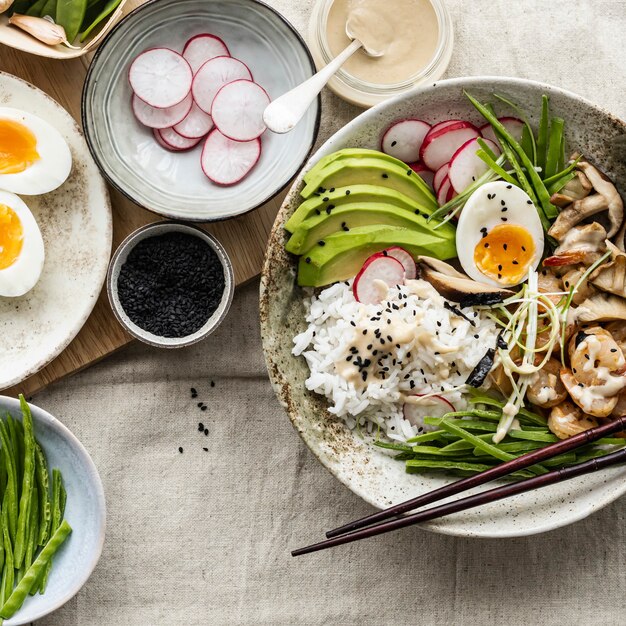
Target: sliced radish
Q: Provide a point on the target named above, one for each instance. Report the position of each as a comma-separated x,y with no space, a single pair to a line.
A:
444,190
160,77
439,146
176,141
408,262
160,118
159,140
466,167
433,406
452,192
225,161
423,172
196,124
513,124
403,139
237,110
213,75
377,268
444,124
440,174
202,48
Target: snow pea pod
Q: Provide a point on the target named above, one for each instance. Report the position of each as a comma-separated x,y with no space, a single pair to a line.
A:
50,9
70,15
542,137
57,515
43,487
36,8
108,8
9,501
8,573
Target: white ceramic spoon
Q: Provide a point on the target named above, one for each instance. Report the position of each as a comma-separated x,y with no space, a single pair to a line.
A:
286,111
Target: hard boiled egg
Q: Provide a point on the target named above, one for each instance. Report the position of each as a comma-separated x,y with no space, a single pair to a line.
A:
21,247
34,157
499,236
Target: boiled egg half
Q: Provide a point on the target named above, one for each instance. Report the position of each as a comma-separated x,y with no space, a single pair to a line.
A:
21,247
499,237
34,156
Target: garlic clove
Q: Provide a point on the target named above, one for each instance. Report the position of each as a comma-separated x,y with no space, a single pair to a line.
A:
42,29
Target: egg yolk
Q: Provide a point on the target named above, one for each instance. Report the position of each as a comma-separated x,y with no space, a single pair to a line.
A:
505,253
11,236
18,147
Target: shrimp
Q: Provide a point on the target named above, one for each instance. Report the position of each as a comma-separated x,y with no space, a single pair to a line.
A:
566,420
546,388
597,371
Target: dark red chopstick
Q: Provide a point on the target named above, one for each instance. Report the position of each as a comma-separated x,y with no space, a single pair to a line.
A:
469,502
521,462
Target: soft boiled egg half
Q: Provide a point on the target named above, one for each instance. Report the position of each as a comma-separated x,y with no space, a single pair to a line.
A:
34,157
499,237
21,247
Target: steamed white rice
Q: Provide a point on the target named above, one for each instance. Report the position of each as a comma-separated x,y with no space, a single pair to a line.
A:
333,317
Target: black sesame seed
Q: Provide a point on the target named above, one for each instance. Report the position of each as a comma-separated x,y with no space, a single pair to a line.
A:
180,449
318,212
504,209
205,449
499,275
613,349
486,245
328,209
385,176
321,189
529,201
352,323
503,219
325,199
331,189
509,186
393,143
200,403
347,192
500,267
206,432
515,262
203,408
321,243
212,383
502,202
307,260
409,172
200,426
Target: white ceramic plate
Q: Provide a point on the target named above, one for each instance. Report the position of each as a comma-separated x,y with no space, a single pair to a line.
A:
85,511
371,474
75,221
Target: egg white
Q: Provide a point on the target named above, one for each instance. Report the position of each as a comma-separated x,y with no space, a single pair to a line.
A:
483,209
55,159
20,277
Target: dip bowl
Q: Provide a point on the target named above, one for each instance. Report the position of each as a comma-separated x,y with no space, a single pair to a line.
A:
366,470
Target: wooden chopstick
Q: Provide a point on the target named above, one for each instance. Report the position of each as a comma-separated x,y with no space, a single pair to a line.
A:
521,462
469,502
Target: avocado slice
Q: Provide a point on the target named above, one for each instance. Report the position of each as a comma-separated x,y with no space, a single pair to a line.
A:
358,153
354,194
352,215
371,171
341,255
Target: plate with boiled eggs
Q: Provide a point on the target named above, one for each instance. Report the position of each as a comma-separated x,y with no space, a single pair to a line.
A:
55,230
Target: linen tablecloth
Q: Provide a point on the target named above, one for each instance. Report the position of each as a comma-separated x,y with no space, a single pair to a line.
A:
203,537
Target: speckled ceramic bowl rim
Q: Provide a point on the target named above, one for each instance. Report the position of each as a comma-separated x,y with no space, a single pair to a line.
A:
102,274
552,522
204,219
153,230
40,415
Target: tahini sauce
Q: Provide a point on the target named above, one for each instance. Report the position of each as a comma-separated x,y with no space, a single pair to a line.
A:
407,31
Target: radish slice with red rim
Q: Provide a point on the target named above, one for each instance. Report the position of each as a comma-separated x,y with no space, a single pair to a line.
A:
466,167
513,124
408,262
439,146
424,173
440,174
433,406
237,110
379,268
403,139
444,124
202,48
160,77
225,161
196,124
213,75
159,140
444,190
160,118
176,141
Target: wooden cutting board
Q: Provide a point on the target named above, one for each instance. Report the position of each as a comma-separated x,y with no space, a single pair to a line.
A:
243,237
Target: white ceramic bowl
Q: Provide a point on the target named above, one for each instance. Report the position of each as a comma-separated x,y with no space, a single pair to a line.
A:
85,511
173,184
367,471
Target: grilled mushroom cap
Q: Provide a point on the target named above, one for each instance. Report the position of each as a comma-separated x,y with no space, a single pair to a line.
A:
600,308
457,287
611,277
576,189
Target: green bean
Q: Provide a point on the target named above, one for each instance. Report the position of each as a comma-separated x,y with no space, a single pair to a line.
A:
460,444
533,436
554,146
446,465
9,500
27,484
33,534
542,136
561,182
434,435
108,8
513,446
3,470
16,599
393,446
528,139
57,515
8,573
36,9
523,415
561,460
43,487
491,163
17,445
431,451
487,415
70,14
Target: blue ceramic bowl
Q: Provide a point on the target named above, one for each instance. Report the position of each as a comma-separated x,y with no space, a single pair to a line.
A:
85,511
173,184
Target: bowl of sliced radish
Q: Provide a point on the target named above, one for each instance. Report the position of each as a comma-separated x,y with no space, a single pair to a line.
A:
173,106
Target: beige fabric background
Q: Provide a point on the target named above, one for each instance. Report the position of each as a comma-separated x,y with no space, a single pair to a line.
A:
204,537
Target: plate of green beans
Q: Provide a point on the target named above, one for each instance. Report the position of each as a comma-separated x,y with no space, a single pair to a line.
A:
52,513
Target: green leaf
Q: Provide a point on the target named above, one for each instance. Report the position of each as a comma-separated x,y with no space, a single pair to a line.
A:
70,14
108,8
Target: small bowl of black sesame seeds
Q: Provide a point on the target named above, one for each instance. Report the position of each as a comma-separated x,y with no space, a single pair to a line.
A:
170,284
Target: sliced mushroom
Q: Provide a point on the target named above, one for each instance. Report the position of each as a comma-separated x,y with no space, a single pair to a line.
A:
601,308
575,213
457,287
618,332
585,289
576,189
611,277
581,244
